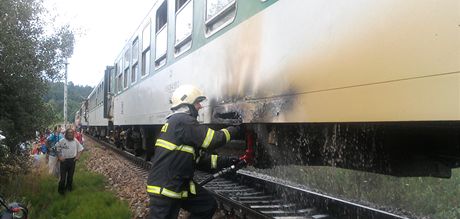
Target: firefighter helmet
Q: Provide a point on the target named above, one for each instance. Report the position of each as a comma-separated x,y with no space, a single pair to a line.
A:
186,94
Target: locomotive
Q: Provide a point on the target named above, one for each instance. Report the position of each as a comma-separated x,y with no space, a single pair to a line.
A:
365,85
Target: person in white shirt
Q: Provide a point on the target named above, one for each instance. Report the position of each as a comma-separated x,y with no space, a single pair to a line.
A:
69,151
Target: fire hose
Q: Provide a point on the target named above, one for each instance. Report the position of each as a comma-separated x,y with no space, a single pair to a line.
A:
246,159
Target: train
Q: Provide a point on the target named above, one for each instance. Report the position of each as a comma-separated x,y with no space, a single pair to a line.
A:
364,85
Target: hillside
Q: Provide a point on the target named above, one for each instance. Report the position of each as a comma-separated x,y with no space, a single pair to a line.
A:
76,94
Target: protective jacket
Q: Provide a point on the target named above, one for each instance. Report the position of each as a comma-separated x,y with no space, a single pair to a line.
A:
178,152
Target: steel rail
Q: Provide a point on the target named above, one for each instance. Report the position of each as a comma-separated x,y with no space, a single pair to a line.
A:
248,194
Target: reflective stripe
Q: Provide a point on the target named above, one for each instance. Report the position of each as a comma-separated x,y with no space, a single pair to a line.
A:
208,139
188,149
166,192
213,161
166,144
227,134
192,187
170,146
165,127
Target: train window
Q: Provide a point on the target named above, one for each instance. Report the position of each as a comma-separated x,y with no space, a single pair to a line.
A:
219,13
134,73
184,25
180,3
127,58
126,71
161,16
119,77
115,75
102,92
111,87
145,62
125,78
145,66
161,30
135,57
119,81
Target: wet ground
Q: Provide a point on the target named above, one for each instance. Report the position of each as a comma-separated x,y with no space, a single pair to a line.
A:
416,197
419,197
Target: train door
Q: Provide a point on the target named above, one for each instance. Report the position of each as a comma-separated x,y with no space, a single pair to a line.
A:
85,113
108,92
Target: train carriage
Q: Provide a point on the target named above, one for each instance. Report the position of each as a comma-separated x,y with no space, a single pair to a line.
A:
366,85
81,116
93,109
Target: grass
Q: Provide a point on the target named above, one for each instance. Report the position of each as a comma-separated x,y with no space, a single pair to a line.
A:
89,199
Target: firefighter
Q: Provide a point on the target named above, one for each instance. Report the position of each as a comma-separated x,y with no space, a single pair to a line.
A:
182,146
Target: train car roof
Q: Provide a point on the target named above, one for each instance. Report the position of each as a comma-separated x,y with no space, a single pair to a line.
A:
95,88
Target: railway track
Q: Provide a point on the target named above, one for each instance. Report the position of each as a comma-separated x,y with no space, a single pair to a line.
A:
247,194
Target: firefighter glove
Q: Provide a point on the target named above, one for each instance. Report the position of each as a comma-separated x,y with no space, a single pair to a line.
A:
226,161
236,132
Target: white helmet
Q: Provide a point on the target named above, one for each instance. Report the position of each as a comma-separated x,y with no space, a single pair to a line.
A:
186,94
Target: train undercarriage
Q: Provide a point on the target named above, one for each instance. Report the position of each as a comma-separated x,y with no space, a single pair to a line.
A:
397,149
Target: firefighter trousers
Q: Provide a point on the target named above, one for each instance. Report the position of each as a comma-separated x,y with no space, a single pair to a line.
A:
201,206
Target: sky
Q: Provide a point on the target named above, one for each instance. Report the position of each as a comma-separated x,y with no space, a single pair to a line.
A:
103,27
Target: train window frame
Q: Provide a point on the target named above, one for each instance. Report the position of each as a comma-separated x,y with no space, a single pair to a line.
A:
220,19
135,50
115,78
113,74
161,33
134,53
126,67
102,92
119,83
184,43
125,78
134,71
119,76
127,57
146,53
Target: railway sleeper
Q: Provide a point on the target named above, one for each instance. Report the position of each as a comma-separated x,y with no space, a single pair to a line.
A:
268,197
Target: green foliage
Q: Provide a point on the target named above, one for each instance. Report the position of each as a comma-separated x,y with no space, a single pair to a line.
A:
29,57
75,95
88,199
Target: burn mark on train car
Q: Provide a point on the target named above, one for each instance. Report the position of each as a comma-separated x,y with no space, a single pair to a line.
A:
253,111
227,114
273,110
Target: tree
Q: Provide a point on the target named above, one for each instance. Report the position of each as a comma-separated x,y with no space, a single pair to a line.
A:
76,95
30,56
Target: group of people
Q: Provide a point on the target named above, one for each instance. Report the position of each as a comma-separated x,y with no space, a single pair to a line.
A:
39,146
62,149
182,145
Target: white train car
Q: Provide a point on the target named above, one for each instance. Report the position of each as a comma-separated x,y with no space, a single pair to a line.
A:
81,118
94,111
359,84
